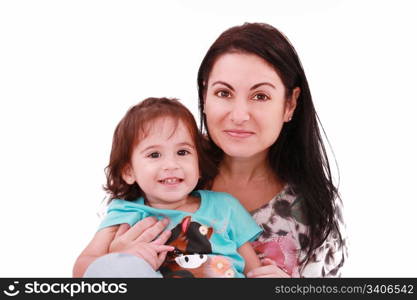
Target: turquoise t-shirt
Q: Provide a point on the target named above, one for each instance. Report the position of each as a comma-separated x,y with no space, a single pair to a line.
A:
220,226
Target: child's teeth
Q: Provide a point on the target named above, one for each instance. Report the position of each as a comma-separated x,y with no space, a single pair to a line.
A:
170,180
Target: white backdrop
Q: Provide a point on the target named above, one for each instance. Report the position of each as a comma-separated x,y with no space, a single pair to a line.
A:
69,70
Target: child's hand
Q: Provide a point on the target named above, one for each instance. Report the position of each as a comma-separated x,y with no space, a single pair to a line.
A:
143,241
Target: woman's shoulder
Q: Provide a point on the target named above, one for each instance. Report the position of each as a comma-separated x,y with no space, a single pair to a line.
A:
283,217
286,204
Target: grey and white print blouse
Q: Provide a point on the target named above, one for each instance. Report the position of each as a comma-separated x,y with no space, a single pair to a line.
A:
285,239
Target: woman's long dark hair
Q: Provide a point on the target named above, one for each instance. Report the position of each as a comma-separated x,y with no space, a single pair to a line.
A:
298,156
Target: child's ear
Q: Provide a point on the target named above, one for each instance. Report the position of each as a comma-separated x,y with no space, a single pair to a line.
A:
127,175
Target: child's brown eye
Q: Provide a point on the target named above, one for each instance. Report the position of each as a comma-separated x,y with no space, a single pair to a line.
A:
154,155
183,152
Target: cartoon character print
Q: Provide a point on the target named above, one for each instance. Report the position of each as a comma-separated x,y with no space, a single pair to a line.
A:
190,257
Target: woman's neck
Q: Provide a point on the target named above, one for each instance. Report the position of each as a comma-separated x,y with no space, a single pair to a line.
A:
243,171
252,181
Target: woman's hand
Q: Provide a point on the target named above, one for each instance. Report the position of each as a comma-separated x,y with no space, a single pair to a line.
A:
268,269
145,239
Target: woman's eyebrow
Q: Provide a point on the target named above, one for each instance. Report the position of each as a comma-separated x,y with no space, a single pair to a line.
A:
224,83
252,88
262,83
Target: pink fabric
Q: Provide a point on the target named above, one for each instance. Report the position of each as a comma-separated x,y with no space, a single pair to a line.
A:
282,250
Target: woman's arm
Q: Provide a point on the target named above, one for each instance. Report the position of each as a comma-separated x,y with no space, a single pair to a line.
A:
98,246
251,259
144,240
330,257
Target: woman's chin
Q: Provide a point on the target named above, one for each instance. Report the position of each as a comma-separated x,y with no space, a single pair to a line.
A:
242,152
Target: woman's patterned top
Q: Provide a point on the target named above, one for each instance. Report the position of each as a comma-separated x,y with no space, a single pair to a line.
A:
285,239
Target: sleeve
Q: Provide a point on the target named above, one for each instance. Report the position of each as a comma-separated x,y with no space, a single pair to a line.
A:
329,258
242,227
122,211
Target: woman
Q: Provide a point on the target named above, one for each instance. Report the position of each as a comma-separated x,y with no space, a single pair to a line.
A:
263,131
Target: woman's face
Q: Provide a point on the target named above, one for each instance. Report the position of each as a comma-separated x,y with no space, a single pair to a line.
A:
245,105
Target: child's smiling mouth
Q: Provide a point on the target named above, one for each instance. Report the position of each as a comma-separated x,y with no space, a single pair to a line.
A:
171,180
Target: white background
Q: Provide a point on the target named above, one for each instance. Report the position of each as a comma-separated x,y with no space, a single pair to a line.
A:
69,70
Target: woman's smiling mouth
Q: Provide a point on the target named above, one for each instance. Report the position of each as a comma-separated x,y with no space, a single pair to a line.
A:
239,133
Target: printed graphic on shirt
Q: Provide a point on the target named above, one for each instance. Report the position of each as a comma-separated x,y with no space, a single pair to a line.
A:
191,257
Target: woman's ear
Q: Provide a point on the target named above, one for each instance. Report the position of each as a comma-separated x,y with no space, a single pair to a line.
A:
291,104
204,97
127,175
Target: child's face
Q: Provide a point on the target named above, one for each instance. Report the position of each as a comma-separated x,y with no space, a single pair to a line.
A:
164,163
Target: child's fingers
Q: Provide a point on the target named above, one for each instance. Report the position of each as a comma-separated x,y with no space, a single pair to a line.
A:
162,238
122,229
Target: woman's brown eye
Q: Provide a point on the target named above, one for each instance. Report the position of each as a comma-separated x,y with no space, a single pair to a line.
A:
261,97
223,94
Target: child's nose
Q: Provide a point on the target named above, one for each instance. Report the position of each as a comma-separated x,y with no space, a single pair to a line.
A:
170,164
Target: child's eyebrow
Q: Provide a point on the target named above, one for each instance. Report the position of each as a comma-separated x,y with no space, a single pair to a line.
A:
186,144
149,147
159,146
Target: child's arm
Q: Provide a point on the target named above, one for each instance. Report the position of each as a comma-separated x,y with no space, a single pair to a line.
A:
251,259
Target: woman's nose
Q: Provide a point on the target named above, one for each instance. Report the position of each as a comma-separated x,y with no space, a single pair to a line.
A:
240,112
